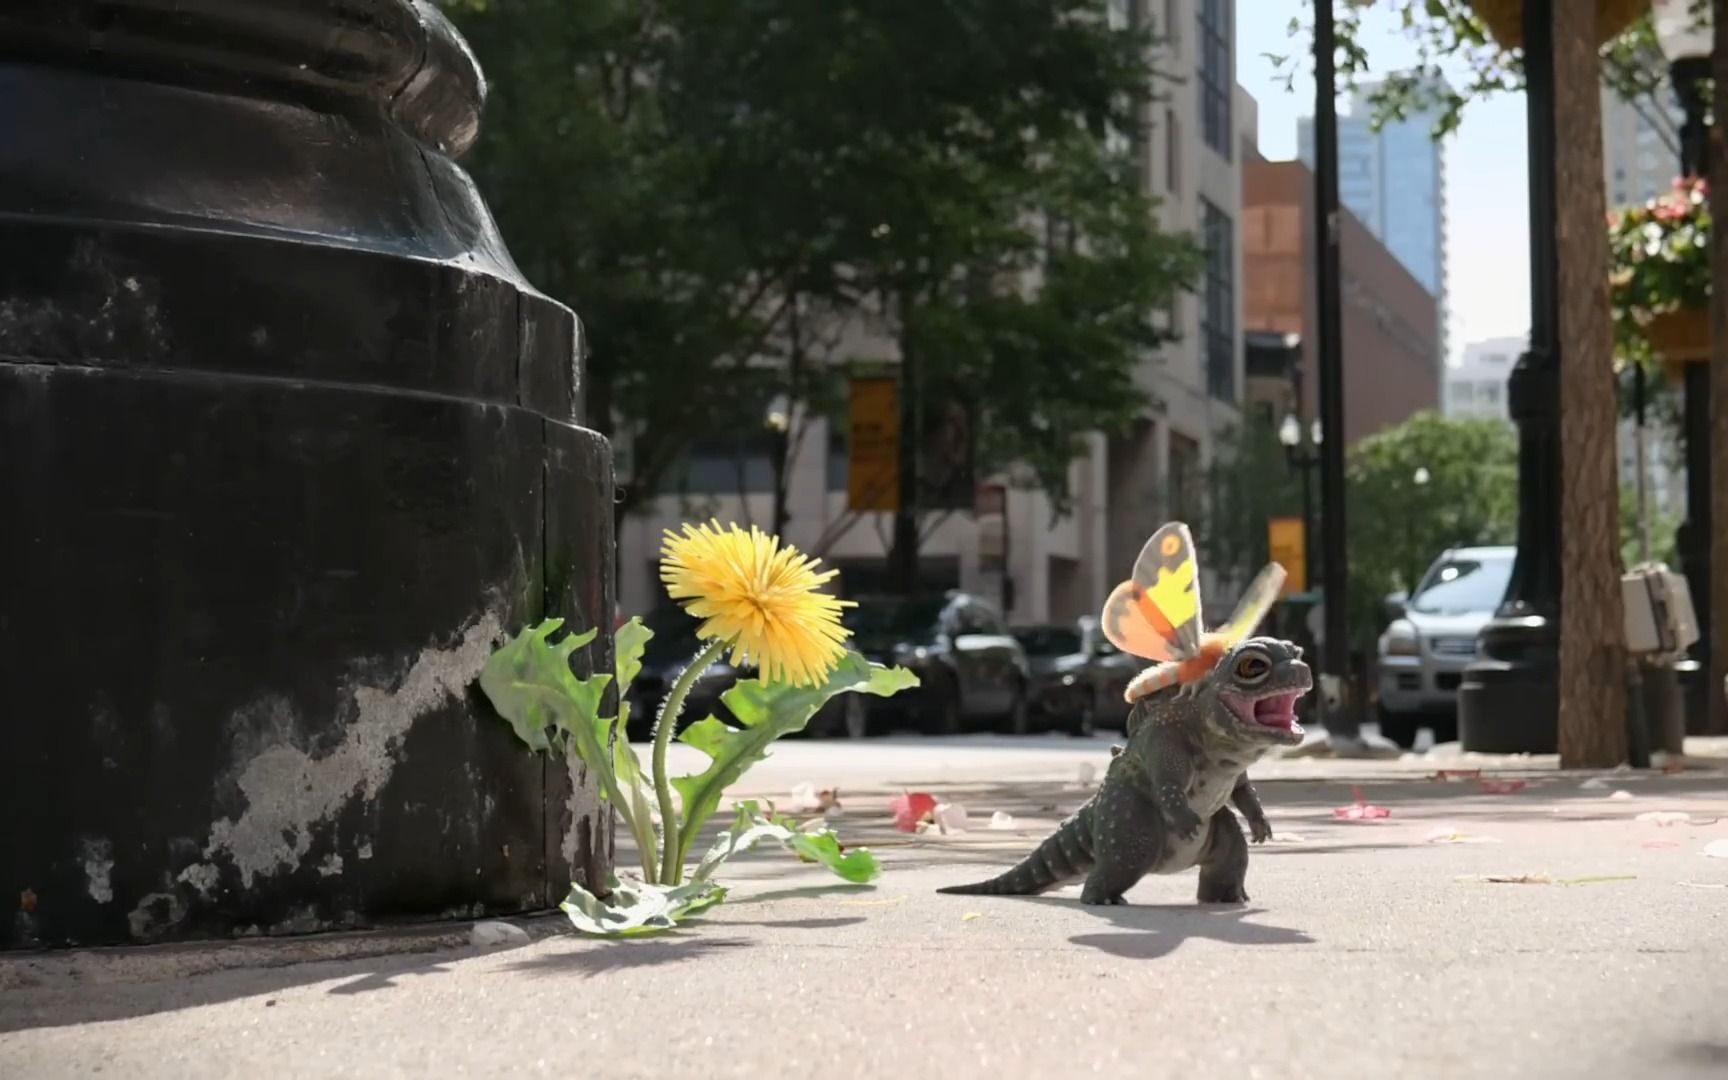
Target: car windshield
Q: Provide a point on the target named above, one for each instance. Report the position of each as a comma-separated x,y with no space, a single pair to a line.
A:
898,618
1463,586
1049,640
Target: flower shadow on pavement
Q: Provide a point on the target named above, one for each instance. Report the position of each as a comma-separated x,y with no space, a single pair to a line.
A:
1152,931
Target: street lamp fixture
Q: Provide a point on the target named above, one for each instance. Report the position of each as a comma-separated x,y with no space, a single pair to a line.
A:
1684,34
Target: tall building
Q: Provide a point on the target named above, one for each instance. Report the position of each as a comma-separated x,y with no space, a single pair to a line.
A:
1640,148
1392,351
1394,181
1476,388
1013,549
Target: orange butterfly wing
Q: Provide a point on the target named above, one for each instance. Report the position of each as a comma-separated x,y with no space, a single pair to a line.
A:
1256,601
1155,614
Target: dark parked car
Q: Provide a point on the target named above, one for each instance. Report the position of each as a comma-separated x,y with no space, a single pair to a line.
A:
1078,676
969,666
671,649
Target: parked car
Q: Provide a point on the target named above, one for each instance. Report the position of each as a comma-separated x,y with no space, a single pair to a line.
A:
1432,638
970,668
670,651
1078,676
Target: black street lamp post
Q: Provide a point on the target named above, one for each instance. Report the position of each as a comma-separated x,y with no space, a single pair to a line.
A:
1509,699
1342,726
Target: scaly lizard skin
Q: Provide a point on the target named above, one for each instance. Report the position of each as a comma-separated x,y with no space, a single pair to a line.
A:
1161,808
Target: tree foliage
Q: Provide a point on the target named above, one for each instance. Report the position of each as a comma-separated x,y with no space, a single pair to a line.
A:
713,184
1397,525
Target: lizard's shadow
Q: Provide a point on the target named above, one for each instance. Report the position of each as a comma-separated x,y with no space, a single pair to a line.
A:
1152,931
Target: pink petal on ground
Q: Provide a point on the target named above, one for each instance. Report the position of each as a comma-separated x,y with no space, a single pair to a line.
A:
911,808
1359,810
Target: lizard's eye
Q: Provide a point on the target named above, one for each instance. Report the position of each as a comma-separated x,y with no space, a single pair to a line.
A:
1252,668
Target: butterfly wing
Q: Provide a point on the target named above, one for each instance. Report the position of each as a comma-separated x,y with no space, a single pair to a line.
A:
1256,601
1155,614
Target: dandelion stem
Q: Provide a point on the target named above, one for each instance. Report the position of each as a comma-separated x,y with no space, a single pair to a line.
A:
670,870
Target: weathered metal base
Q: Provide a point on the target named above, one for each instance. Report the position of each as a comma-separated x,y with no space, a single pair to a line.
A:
287,446
1509,702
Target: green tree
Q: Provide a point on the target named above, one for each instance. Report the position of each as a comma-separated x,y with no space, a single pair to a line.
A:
1416,489
717,183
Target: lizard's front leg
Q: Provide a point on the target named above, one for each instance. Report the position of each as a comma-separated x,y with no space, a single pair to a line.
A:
1170,770
1224,862
1247,800
1127,837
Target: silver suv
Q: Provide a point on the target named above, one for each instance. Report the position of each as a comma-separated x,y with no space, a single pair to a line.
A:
1423,653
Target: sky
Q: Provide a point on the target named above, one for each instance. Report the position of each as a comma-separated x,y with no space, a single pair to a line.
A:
1487,227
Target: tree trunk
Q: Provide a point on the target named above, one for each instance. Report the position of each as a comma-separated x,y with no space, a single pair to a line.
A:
1592,641
1716,693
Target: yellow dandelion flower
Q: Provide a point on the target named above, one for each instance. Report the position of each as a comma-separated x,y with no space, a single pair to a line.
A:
759,597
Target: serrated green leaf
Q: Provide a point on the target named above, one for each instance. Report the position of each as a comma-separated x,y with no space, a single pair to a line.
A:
629,642
526,662
530,683
820,845
765,711
635,908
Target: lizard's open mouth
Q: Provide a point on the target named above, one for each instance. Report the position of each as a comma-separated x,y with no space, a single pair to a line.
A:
1273,713
1278,710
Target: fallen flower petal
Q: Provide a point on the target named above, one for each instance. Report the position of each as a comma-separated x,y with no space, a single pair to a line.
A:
1702,885
1503,787
1621,796
951,817
1594,783
1511,879
1456,774
1717,849
1360,810
1457,836
1664,817
999,820
910,809
970,915
804,798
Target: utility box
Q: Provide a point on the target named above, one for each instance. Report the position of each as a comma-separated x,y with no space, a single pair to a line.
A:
1659,616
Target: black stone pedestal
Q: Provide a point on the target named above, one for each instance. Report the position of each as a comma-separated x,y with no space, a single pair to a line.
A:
1509,698
287,445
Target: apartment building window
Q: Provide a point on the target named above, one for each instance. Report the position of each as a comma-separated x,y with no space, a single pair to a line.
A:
1218,316
1172,152
1215,82
1184,478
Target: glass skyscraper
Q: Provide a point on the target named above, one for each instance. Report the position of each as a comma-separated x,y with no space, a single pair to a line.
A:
1395,182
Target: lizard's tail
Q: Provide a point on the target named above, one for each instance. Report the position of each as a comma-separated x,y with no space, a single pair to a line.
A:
1063,856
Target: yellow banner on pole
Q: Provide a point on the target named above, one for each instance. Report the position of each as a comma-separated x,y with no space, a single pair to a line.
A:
873,446
1288,543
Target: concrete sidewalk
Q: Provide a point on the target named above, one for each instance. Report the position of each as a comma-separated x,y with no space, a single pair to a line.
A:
1370,949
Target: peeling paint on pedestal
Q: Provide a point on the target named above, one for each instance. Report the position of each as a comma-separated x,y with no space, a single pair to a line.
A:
288,791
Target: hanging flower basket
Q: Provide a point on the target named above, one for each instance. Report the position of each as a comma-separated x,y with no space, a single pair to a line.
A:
1659,277
1505,18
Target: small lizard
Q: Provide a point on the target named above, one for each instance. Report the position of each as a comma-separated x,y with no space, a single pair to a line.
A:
1162,806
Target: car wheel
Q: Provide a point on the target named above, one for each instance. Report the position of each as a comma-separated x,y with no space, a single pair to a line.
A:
1085,720
854,717
1019,714
945,716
